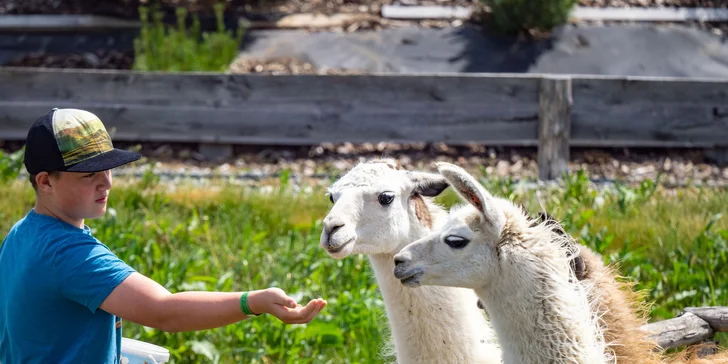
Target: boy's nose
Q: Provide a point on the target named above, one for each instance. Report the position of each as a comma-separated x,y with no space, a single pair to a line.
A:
105,179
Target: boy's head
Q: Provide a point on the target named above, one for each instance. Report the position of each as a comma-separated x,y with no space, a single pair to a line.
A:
69,155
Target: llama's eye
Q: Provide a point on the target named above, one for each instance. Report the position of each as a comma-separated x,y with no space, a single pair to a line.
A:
386,198
456,242
331,198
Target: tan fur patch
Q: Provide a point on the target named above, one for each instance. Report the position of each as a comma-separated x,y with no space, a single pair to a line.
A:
622,311
421,211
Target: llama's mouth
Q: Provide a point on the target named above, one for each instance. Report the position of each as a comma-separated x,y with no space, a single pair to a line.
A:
338,249
409,278
413,281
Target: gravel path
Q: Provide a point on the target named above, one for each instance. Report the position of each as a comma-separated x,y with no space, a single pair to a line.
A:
319,164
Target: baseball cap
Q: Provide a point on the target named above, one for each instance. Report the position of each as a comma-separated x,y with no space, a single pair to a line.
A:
72,140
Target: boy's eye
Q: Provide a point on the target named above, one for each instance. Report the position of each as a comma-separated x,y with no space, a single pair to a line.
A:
90,174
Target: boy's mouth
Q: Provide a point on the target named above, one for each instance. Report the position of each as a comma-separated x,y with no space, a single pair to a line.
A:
102,199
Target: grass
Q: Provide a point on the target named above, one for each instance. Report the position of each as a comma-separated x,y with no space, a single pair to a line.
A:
231,238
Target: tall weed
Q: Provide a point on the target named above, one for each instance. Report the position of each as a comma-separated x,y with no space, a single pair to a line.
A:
168,49
513,16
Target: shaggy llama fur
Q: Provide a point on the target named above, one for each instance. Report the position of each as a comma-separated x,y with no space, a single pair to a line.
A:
622,311
525,274
379,208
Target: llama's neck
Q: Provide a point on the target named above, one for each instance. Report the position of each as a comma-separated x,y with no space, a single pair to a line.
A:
538,316
434,324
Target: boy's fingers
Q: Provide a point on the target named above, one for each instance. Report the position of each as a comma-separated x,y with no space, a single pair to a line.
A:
286,301
303,314
317,307
313,314
300,314
306,311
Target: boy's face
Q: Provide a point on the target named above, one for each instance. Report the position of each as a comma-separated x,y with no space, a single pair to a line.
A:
80,195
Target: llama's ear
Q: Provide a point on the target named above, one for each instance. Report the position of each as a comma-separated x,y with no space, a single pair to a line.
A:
465,185
472,191
428,184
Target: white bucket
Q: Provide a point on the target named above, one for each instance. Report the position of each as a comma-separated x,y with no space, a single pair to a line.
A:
139,352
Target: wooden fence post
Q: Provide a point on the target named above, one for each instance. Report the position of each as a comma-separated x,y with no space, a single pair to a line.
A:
554,126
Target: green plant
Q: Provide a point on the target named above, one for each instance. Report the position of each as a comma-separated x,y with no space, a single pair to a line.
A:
168,49
672,244
513,16
10,165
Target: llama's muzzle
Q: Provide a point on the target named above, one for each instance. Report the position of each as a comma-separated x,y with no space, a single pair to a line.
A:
403,270
337,245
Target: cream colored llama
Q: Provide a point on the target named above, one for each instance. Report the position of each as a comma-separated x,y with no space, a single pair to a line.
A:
544,308
378,209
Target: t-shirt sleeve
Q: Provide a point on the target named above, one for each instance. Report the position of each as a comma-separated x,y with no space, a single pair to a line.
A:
86,271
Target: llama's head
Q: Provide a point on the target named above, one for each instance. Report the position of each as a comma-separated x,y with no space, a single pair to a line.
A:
378,207
463,251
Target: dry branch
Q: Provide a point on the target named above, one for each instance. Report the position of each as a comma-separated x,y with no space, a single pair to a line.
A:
693,325
717,317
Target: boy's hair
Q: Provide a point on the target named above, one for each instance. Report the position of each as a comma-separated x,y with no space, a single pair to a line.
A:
32,178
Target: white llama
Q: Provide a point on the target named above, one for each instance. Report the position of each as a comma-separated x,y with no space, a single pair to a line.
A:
550,299
378,209
519,270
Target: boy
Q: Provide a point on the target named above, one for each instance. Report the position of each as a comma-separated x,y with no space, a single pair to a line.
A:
63,293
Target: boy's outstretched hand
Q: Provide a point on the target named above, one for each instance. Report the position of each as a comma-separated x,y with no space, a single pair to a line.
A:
277,303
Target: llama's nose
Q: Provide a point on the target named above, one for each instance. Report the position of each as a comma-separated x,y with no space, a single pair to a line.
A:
331,225
400,259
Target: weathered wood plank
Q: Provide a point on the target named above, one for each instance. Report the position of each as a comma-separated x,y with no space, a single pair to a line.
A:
649,14
717,317
285,109
286,125
631,112
417,12
554,126
497,109
683,330
63,22
502,94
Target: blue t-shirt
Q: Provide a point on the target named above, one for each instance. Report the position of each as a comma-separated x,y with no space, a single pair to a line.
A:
53,277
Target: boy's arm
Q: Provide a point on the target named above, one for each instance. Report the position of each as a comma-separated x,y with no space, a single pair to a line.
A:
143,301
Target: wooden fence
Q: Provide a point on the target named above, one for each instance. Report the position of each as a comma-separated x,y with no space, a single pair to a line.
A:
548,111
693,325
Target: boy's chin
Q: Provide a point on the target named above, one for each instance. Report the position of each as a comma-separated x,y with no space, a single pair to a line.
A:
97,213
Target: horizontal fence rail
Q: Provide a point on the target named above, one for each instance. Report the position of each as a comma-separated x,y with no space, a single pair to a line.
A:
548,111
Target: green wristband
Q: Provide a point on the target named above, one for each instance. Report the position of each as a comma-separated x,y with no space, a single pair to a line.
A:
244,305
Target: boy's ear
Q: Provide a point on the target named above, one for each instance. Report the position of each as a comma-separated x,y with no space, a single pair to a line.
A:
43,181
